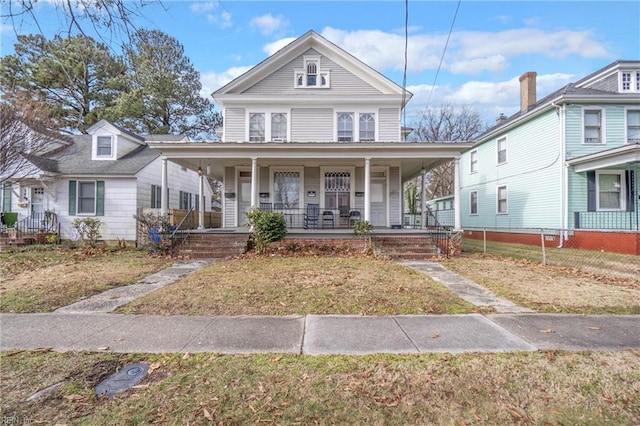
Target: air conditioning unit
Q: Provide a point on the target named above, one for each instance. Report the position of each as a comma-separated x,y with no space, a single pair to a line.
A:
278,140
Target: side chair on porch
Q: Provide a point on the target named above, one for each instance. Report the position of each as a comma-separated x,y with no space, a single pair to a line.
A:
354,216
311,216
328,219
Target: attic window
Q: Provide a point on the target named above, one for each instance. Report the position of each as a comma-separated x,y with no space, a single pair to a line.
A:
104,146
312,76
630,81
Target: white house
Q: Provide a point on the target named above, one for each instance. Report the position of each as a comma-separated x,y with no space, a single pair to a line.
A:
315,133
108,173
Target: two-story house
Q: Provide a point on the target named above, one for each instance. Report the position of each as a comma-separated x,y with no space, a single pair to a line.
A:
312,130
108,173
567,163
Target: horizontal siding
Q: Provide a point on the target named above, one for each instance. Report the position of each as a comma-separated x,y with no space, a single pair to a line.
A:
312,183
234,124
614,131
532,175
395,201
312,125
281,82
229,205
389,125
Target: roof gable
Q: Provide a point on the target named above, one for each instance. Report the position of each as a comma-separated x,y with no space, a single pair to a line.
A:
311,41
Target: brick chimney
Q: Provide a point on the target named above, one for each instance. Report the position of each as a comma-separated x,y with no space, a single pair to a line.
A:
527,90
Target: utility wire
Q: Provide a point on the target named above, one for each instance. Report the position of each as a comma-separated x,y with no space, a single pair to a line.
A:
404,75
443,53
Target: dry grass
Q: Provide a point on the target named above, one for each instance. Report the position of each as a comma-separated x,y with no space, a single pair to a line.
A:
599,388
41,279
550,288
302,285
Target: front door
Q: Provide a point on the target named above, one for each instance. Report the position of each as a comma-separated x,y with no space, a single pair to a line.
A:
244,197
337,195
37,201
379,201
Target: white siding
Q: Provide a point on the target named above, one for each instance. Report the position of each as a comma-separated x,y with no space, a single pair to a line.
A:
312,125
229,204
389,125
234,125
395,196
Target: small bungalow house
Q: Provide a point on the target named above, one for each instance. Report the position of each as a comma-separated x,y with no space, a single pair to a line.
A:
569,162
315,133
108,173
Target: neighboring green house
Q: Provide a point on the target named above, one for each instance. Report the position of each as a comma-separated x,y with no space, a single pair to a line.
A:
569,162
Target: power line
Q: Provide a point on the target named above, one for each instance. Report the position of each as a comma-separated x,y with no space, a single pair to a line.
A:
404,75
443,53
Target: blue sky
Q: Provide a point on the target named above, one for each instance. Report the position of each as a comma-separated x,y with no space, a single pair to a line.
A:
492,43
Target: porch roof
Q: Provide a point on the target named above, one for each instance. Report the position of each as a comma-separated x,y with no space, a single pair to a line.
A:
609,158
410,156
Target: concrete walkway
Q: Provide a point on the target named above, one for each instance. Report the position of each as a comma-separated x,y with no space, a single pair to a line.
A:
87,325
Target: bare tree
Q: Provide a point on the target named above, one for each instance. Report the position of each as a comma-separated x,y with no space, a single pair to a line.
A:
24,138
446,123
104,17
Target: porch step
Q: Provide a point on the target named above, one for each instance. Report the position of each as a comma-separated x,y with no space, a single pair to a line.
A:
212,246
405,247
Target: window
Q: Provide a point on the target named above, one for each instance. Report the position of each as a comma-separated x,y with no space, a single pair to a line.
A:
312,75
473,160
104,146
367,128
337,190
610,190
592,126
501,207
345,127
156,196
256,127
185,200
633,126
473,202
279,127
502,150
86,197
630,81
286,189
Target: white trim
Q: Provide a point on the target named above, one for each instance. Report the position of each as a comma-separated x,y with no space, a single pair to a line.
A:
623,190
95,197
603,133
352,174
626,122
94,147
506,150
634,82
267,121
475,191
471,162
498,212
355,112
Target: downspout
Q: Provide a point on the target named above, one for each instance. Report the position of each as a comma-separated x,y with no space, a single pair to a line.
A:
564,177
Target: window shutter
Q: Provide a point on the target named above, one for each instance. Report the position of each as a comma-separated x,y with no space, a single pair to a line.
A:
6,197
153,196
591,191
100,198
631,190
72,197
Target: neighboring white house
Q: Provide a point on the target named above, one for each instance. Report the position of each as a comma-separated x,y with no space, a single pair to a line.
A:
108,173
313,130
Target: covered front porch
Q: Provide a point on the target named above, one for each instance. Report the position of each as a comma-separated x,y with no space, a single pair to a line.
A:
317,186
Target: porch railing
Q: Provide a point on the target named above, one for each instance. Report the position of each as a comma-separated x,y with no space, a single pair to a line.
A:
309,218
606,220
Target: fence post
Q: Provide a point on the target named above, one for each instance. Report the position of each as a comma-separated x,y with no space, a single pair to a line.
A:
484,240
544,253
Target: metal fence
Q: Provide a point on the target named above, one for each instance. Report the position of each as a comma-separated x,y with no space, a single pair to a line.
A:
551,247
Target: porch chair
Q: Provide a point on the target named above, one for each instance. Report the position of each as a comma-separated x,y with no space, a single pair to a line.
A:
354,216
311,216
327,218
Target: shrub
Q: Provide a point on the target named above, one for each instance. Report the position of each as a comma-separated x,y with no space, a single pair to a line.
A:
268,227
87,230
364,228
158,229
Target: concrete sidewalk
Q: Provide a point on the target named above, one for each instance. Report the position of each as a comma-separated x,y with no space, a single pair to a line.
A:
319,334
88,325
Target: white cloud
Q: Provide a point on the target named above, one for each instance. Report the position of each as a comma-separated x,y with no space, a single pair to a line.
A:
268,24
209,9
271,48
468,52
204,6
212,81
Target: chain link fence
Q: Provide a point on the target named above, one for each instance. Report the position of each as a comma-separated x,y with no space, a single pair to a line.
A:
555,247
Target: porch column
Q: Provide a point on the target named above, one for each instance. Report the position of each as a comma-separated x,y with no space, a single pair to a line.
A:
164,202
254,182
201,199
456,193
367,189
423,200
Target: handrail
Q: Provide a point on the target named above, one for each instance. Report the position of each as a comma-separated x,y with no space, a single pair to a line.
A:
173,233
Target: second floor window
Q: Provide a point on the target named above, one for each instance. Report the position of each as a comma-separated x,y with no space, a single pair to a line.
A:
502,150
633,126
630,81
473,159
279,127
367,128
345,127
256,127
104,146
593,126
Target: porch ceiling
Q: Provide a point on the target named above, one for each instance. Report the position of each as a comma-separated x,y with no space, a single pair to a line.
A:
411,157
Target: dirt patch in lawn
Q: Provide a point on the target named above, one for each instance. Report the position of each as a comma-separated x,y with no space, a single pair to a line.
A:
550,288
49,279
